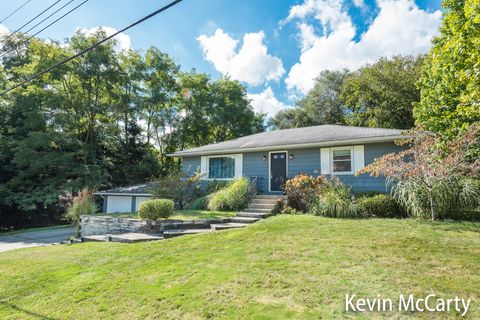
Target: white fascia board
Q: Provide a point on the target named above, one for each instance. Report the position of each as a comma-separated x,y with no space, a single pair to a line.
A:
292,146
123,194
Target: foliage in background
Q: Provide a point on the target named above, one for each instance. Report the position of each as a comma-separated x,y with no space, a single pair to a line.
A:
82,204
156,209
106,119
450,81
321,105
382,94
302,190
233,197
180,188
429,175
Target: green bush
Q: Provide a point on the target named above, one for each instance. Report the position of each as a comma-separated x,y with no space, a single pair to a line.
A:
83,204
232,197
199,203
180,188
380,205
290,210
303,189
156,209
336,202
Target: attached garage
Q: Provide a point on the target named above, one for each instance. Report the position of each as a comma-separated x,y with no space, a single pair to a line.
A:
125,199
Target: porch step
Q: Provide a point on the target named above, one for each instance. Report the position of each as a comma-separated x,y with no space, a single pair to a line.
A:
244,219
170,233
262,206
270,196
257,210
228,225
132,237
264,201
260,215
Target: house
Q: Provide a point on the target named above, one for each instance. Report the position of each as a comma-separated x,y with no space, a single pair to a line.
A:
126,199
276,156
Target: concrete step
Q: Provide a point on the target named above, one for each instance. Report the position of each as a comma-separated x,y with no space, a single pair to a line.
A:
132,237
228,225
260,215
257,210
243,219
181,232
270,197
264,201
94,238
261,206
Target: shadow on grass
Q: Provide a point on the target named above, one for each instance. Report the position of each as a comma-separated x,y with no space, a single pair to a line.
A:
456,226
26,312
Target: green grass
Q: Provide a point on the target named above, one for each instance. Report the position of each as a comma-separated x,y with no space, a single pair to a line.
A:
297,267
182,214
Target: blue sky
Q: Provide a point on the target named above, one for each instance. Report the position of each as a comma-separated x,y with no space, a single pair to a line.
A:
275,47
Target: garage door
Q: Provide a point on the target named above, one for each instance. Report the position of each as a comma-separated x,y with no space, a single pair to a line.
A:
139,201
119,204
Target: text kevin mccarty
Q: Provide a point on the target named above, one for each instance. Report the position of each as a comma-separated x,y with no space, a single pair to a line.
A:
429,303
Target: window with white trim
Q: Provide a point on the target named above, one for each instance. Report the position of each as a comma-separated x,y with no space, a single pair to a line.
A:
221,167
342,160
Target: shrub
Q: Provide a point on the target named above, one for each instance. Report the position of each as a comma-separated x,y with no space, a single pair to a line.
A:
290,210
156,209
180,188
199,203
232,197
83,204
336,202
302,190
380,205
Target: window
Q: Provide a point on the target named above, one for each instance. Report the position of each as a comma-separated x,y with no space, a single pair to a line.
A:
221,168
342,160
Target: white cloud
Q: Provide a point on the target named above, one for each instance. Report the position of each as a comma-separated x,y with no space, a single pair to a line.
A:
399,28
251,63
266,102
123,40
3,29
359,3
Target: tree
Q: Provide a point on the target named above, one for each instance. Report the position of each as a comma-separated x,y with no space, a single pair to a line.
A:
430,175
450,80
321,105
382,95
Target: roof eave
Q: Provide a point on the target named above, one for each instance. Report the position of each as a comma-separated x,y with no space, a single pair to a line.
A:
290,146
100,193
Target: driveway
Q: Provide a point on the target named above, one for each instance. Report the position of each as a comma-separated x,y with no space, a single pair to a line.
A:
35,238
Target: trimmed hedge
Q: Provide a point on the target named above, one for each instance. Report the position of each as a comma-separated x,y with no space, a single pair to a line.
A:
381,205
156,209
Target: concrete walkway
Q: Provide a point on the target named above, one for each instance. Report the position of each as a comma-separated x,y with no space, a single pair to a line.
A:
35,238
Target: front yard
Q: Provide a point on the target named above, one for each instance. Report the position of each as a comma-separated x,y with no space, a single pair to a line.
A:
297,267
180,214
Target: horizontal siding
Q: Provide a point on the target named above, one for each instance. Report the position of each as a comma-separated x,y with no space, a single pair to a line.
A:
306,161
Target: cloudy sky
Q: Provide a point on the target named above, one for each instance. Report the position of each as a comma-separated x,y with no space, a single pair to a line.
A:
275,47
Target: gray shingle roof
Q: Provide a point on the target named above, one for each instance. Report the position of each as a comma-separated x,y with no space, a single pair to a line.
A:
140,189
323,135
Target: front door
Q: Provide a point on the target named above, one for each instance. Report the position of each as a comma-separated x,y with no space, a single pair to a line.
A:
278,170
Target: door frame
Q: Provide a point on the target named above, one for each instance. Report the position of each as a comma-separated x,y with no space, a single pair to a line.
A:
270,167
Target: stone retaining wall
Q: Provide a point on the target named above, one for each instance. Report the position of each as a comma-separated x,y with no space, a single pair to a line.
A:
100,225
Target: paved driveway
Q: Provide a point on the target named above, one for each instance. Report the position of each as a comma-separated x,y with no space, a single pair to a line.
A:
35,238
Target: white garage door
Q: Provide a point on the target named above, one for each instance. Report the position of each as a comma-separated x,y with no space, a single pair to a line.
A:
139,201
119,204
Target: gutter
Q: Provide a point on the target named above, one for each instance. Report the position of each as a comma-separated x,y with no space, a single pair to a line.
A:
122,194
290,146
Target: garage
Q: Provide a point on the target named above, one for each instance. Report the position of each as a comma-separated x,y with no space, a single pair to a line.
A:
124,199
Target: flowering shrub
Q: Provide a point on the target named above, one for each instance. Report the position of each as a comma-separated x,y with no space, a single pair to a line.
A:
303,189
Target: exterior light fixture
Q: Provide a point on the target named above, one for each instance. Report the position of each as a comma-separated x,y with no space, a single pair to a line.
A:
291,156
264,158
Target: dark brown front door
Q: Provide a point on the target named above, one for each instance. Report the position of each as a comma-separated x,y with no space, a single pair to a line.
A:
278,170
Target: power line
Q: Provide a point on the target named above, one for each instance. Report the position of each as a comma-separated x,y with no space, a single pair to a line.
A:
66,4
49,25
147,17
14,11
34,18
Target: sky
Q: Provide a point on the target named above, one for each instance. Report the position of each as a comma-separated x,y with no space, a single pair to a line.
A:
276,48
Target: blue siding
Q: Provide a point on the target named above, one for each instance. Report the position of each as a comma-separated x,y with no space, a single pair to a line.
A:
306,161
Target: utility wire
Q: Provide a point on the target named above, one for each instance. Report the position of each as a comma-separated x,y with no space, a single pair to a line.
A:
66,4
147,17
14,11
34,18
46,27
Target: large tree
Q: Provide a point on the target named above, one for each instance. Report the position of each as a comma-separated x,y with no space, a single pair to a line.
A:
382,94
321,105
450,81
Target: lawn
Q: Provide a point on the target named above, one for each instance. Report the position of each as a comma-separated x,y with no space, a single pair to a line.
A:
182,214
297,267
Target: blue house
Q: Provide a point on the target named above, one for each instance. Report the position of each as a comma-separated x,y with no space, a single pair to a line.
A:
275,156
